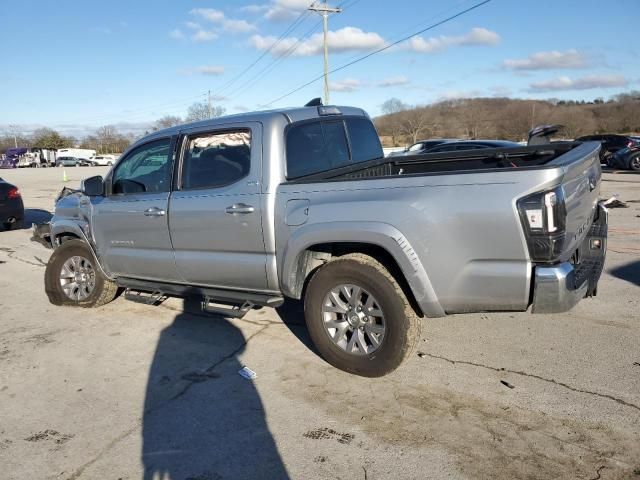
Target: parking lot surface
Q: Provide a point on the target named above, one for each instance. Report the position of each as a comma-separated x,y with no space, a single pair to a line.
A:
132,391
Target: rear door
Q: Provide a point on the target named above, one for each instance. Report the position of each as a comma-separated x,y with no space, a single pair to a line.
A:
129,223
215,215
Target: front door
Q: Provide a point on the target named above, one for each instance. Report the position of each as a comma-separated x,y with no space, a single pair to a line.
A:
129,223
215,217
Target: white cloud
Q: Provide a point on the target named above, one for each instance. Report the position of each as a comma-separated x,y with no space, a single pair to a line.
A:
457,94
477,36
254,9
548,60
218,17
344,40
177,34
394,81
238,26
285,10
583,83
193,25
346,85
210,14
212,70
204,36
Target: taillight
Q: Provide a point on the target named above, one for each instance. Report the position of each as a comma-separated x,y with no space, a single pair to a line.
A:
13,193
543,216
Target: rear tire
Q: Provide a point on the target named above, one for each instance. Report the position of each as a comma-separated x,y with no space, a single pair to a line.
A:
73,278
380,316
634,163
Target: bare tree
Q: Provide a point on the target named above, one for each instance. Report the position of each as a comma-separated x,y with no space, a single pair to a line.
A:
414,122
166,122
201,111
393,105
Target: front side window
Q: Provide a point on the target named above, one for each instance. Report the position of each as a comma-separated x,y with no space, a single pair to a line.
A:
216,159
415,148
145,169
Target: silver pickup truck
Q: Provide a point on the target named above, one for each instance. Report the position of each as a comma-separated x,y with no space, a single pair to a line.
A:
246,210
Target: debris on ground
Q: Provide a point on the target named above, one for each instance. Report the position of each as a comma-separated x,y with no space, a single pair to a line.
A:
247,373
613,202
507,384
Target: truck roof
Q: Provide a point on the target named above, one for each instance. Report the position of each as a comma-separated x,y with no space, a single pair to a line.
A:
293,114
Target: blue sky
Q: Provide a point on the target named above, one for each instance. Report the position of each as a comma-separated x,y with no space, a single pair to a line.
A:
71,62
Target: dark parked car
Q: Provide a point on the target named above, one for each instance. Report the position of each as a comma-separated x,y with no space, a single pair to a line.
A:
471,145
628,158
421,146
11,207
610,144
74,162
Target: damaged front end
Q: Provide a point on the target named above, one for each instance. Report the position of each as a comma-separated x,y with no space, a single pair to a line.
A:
41,232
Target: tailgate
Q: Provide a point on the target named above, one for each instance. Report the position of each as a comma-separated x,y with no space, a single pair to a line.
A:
581,188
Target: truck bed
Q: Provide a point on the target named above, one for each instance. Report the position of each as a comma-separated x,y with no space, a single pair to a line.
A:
448,162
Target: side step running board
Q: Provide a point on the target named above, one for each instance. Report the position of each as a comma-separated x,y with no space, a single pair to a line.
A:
148,298
209,305
229,303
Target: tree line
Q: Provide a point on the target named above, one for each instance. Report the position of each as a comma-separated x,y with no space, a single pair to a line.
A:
505,118
105,139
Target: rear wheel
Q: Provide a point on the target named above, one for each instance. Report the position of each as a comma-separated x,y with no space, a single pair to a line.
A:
634,163
359,318
73,278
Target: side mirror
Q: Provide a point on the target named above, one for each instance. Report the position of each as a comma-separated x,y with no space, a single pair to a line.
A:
92,186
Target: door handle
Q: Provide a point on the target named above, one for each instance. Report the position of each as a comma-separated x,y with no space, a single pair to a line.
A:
240,208
154,212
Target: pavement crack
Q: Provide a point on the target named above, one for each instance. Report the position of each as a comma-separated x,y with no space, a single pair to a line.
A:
211,368
75,475
79,471
538,377
597,477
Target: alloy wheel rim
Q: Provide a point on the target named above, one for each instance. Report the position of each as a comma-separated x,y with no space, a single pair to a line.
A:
353,319
77,278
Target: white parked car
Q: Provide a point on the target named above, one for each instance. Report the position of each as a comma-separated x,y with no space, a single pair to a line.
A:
103,160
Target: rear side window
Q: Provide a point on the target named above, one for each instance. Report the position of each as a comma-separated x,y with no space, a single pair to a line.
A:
316,147
365,144
216,159
319,146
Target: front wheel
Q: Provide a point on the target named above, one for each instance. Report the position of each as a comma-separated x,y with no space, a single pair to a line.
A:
359,318
73,278
634,163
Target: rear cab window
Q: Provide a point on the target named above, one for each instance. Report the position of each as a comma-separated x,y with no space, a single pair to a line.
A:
326,144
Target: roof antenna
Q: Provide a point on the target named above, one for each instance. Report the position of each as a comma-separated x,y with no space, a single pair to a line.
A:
316,102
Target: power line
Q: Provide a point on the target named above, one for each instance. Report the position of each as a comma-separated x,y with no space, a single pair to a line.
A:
297,22
382,49
274,63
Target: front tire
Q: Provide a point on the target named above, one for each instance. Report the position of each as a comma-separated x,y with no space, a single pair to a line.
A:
73,278
359,318
634,163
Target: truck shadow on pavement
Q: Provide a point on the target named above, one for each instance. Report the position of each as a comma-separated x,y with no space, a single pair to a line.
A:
629,272
203,421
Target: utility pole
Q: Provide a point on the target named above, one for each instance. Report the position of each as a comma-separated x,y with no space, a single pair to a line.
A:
325,11
209,97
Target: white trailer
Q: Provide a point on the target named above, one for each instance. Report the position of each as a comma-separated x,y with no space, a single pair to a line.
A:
76,152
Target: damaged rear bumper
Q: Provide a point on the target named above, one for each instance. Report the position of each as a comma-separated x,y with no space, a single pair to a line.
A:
558,288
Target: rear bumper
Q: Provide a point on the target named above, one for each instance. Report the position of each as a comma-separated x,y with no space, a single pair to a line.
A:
558,288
